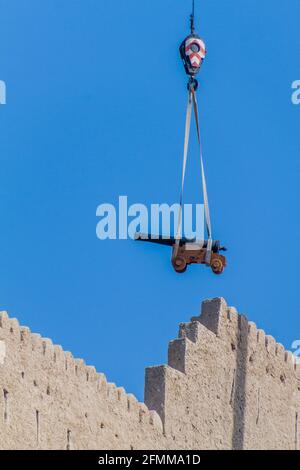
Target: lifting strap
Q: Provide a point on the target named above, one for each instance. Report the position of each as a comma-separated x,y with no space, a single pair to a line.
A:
192,103
185,154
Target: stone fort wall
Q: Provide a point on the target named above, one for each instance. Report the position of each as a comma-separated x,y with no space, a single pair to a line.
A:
227,385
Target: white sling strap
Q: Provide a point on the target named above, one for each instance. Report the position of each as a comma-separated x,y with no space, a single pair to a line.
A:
192,102
185,154
205,195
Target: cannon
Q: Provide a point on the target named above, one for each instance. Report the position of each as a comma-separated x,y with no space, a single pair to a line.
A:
187,251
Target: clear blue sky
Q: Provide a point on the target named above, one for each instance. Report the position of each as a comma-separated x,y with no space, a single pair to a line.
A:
96,97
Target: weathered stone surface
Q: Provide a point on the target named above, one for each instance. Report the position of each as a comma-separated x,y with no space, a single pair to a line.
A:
226,386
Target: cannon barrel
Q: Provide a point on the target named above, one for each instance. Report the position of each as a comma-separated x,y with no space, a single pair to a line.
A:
170,241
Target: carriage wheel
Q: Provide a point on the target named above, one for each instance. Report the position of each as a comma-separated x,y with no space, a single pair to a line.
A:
179,264
217,266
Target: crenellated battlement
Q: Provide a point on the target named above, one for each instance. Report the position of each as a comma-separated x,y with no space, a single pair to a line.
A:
47,380
228,380
227,324
227,385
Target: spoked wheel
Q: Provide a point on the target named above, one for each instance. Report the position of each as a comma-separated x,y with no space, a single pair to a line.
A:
179,264
217,266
